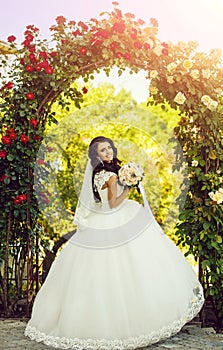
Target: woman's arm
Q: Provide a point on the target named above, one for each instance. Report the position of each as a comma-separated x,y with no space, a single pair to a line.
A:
113,200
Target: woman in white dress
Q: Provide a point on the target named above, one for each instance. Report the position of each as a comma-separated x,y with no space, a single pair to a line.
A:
120,282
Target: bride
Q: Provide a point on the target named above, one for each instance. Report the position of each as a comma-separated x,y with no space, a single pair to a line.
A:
120,282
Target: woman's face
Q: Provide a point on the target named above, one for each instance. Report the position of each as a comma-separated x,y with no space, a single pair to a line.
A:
105,151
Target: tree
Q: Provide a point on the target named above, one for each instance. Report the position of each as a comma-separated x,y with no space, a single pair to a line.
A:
141,135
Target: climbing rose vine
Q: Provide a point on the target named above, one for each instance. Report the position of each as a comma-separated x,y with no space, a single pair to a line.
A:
41,72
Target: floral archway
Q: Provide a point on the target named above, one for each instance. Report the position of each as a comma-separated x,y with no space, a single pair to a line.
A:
43,71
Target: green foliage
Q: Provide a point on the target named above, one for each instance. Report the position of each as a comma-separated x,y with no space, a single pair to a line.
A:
141,135
42,72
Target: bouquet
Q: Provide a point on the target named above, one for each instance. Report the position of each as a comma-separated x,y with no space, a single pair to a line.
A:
130,174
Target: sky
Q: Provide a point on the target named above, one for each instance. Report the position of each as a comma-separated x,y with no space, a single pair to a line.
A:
179,20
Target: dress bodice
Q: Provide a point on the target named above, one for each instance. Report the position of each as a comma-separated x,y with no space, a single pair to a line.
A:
100,179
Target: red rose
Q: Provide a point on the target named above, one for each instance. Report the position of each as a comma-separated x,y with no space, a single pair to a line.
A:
96,34
60,20
141,22
134,33
49,70
76,33
71,23
118,55
113,45
104,34
119,27
12,136
83,50
44,64
6,140
22,197
33,122
92,40
27,32
22,61
154,22
3,153
164,44
29,68
83,26
53,28
38,67
32,57
43,54
165,52
3,177
53,53
129,15
118,13
36,137
16,201
85,90
29,37
32,48
146,46
64,42
24,138
133,36
138,45
11,38
30,96
127,56
26,43
40,161
32,28
8,85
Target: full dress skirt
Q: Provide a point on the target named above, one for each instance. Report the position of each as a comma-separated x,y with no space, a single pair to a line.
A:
114,293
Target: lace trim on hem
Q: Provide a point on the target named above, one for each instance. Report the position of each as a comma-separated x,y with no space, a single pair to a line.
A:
119,344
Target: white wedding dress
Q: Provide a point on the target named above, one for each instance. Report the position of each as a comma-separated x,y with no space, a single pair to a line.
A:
119,283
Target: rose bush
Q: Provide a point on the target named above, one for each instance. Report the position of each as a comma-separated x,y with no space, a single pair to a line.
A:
42,72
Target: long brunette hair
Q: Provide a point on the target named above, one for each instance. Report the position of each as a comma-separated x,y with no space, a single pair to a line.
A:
97,165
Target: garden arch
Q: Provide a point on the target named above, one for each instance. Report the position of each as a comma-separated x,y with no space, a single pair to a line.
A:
43,71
